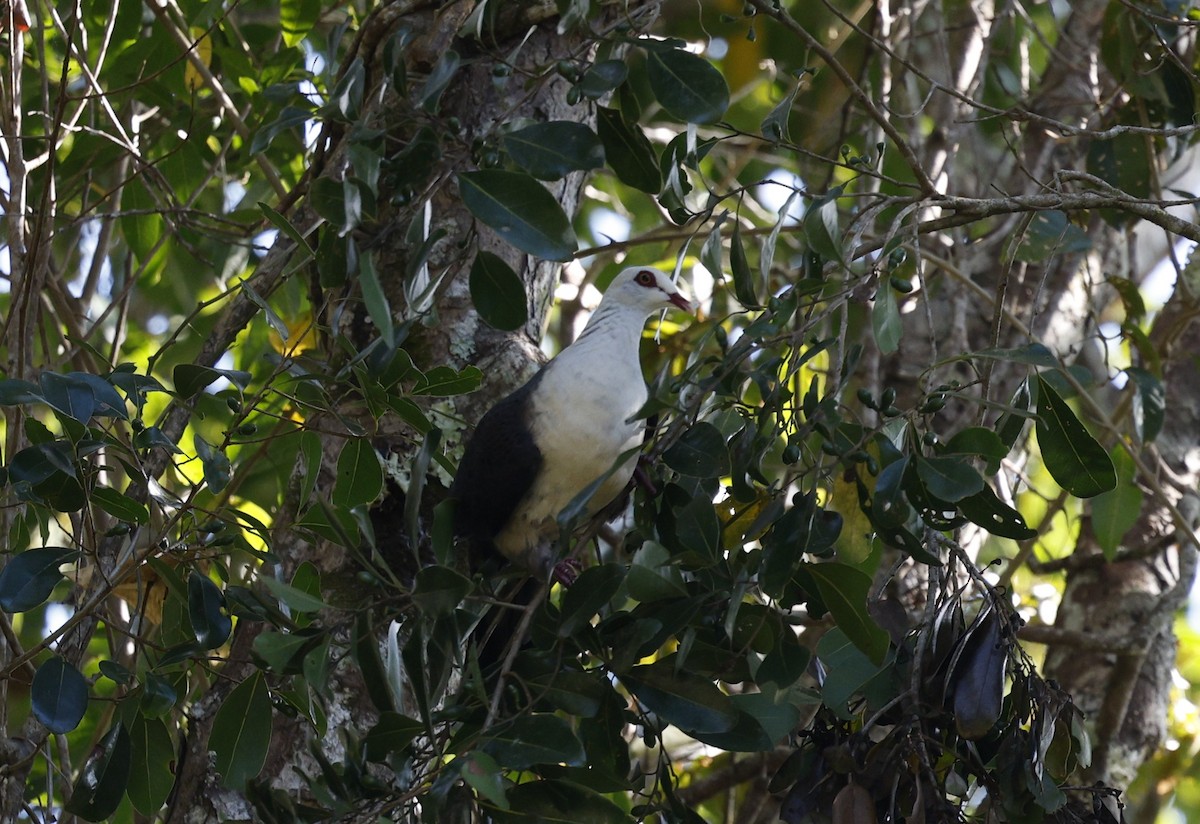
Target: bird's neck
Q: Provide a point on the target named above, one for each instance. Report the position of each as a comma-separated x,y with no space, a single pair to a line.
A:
616,329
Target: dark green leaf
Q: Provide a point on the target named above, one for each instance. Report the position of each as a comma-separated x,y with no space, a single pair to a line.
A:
977,677
821,228
498,293
217,469
688,87
744,287
102,782
580,603
1050,233
521,210
359,478
775,125
949,478
40,462
979,440
71,397
1072,456
59,695
347,96
120,506
441,75
557,802
762,722
392,733
28,578
699,530
241,732
628,151
538,738
152,758
844,590
1033,354
191,378
692,703
549,151
988,511
1150,403
602,77
295,598
444,381
439,590
15,392
284,225
848,669
885,319
700,453
376,302
1116,511
210,625
785,664
486,777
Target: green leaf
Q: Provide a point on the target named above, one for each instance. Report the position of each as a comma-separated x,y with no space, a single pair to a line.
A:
59,695
628,151
152,756
844,590
209,624
744,287
848,669
439,78
1033,354
985,509
241,732
698,529
690,702
296,599
284,225
376,302
296,19
1072,456
1051,233
557,802
359,478
602,77
521,210
537,738
217,469
549,151
71,397
785,664
28,578
821,228
763,721
580,603
498,293
392,733
949,478
101,784
885,319
700,453
444,381
273,320
979,440
15,392
438,590
1116,511
1149,404
120,506
190,378
688,87
775,126
484,776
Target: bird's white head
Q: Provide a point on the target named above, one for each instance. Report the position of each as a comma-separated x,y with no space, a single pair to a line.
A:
650,290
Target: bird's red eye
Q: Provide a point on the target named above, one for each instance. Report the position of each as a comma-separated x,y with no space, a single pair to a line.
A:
644,278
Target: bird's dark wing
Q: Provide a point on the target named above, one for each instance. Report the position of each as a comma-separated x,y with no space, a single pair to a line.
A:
498,467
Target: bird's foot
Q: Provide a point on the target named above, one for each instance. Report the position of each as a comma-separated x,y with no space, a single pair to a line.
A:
566,571
641,475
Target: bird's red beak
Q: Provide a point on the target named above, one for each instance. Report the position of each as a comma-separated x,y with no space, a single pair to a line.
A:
679,300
